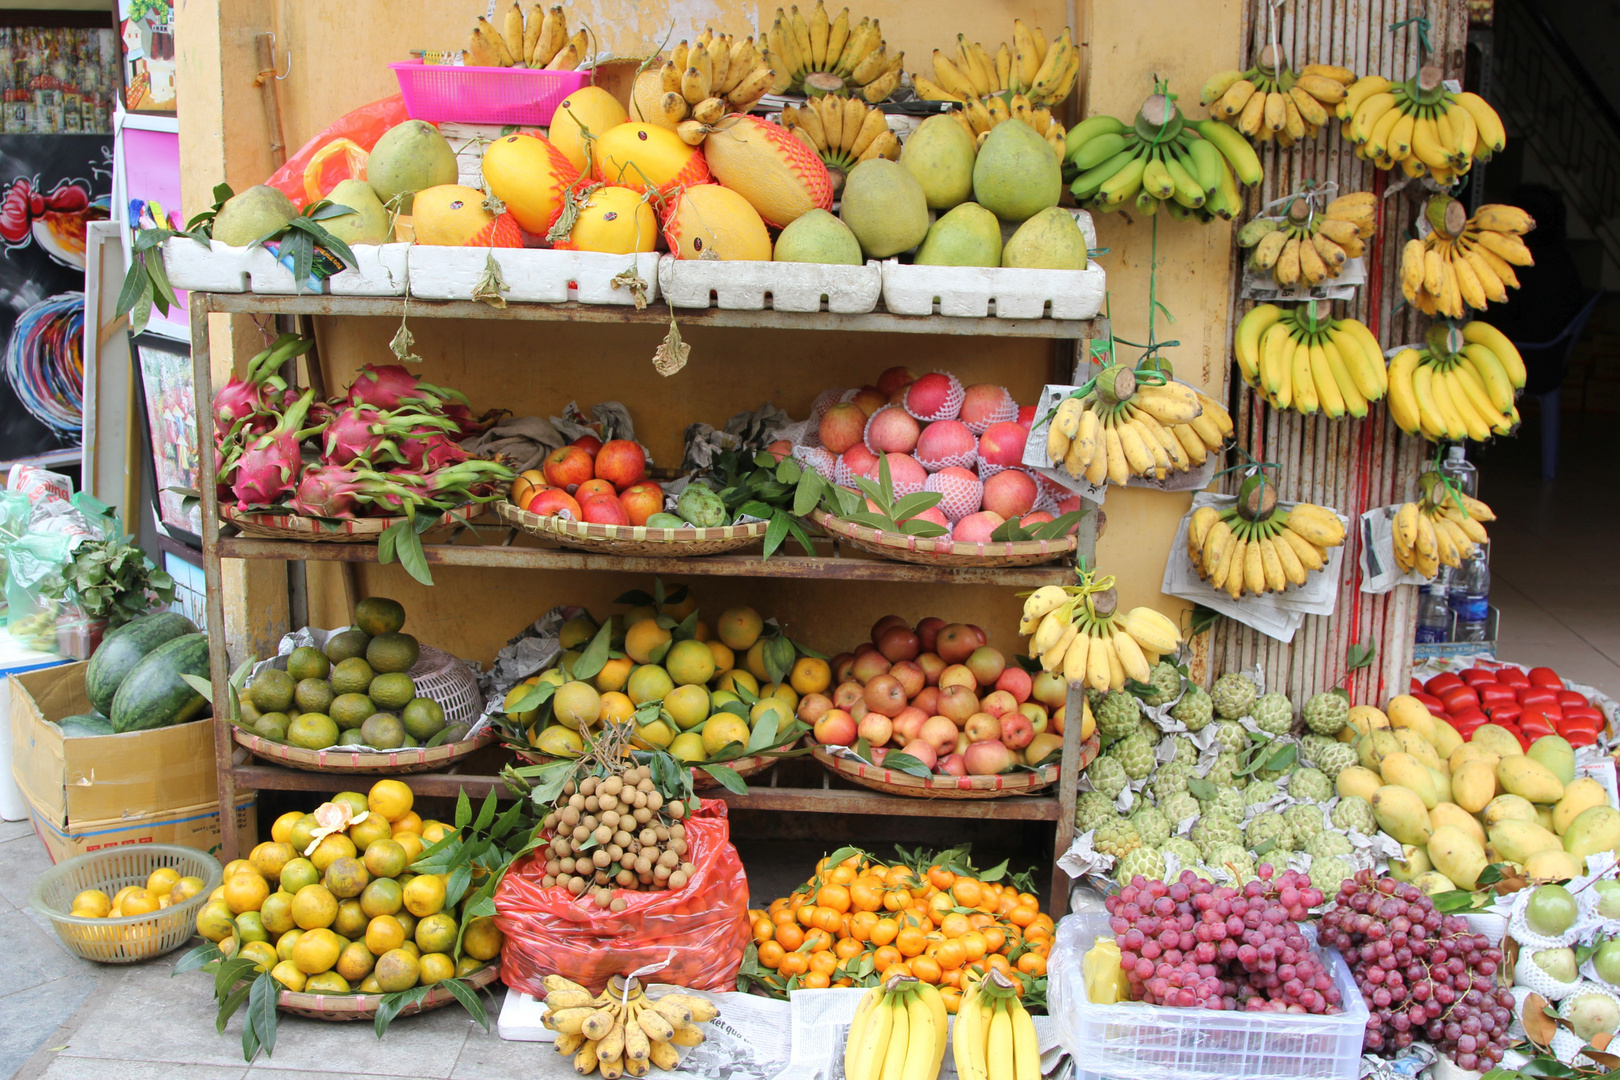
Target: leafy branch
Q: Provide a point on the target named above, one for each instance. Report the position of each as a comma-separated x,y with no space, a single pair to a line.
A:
891,514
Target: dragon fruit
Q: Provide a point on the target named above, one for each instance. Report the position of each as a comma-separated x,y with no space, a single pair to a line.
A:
473,480
360,432
266,469
253,400
389,386
431,450
469,424
338,491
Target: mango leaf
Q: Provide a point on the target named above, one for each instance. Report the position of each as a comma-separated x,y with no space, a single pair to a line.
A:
923,528
916,503
808,492
1059,526
591,661
228,1007
735,708
201,685
198,958
995,873
775,533
1282,759
1360,656
779,657
726,777
456,886
463,809
907,764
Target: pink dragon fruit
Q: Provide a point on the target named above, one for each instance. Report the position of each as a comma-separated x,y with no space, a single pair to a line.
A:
267,468
431,450
469,424
342,491
389,386
360,432
262,392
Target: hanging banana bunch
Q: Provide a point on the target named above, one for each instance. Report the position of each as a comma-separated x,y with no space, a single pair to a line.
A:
1272,101
1304,359
1460,385
1420,125
1254,546
1307,246
1118,426
1077,630
977,116
819,56
844,131
1044,73
1464,262
1439,529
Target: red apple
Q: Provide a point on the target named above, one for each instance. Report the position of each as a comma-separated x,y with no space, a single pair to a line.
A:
940,733
843,667
869,400
594,487
922,751
879,753
568,467
962,742
987,664
875,728
957,703
998,703
847,693
928,630
836,728
813,707
959,675
978,632
549,501
953,765
899,643
859,710
909,723
927,699
1016,730
869,666
621,462
864,647
885,695
910,676
932,667
883,624
603,510
588,443
988,759
642,501
1016,681
981,726
956,642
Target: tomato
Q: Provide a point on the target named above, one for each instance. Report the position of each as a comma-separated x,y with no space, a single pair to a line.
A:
1535,725
1504,712
1570,697
1546,676
1512,676
1475,676
1578,723
1494,694
1537,695
1457,697
1443,681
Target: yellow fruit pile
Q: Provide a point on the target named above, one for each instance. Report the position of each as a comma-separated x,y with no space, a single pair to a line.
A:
820,55
1465,262
1439,529
1309,246
1042,72
1256,547
164,887
1272,101
542,41
1116,427
621,1030
1460,385
329,905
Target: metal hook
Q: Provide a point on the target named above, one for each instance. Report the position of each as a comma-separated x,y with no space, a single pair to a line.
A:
271,34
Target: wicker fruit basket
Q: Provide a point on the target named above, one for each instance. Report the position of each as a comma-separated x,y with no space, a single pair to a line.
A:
942,550
339,1007
877,778
701,781
136,937
338,759
267,525
632,539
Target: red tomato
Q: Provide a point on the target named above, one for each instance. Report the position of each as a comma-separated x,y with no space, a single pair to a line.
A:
1580,737
1431,701
1415,688
1458,696
1537,695
1474,676
1535,725
1546,676
1494,693
1443,681
1570,697
1512,676
1505,712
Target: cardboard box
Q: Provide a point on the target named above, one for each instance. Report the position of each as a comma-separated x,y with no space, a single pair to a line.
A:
92,792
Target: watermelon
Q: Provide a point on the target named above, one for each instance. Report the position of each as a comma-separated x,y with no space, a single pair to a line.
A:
125,647
84,724
154,695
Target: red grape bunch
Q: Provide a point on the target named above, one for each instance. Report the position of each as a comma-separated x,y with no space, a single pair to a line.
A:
1422,974
1193,944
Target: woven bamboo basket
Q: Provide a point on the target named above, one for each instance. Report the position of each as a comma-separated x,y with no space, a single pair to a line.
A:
267,525
337,759
701,781
364,1006
942,550
632,539
892,782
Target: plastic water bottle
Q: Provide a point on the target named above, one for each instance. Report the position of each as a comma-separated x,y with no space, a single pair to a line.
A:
1471,598
1460,471
1434,611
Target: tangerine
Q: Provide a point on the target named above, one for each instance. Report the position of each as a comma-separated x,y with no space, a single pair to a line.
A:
974,945
884,931
794,963
926,968
818,939
789,936
815,980
910,941
848,948
885,958
1032,963
763,929
862,924
951,955
823,961
770,954
967,892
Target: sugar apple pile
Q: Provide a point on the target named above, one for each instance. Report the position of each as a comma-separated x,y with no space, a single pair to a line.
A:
1273,713
1116,715
1182,848
1186,752
1231,736
1151,825
1224,772
1261,791
1305,820
1325,845
1268,825
1107,775
1233,858
1326,713
1170,778
1195,709
1164,685
1329,873
1233,696
1329,755
1310,785
1355,814
1092,808
1178,807
1116,836
1134,753
1145,861
1213,829
1228,801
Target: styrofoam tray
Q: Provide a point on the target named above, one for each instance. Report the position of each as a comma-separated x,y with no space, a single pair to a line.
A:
780,286
379,270
533,275
978,292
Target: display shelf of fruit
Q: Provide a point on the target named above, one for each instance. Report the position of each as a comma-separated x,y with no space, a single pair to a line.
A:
1302,358
1273,101
1307,245
1074,631
1512,697
1419,125
1460,385
864,921
1124,423
1042,72
1464,262
1256,546
822,55
622,1030
1439,529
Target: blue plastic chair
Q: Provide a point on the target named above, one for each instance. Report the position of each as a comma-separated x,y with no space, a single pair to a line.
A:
1550,401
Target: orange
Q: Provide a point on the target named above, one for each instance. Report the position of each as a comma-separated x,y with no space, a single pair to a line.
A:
843,874
1022,915
940,905
899,875
865,895
974,945
763,929
848,948
833,896
1032,963
994,938
1007,903
411,822
814,980
884,931
897,899
828,920
926,968
810,676
781,915
951,954
884,957
910,941
1029,898
806,914
979,920
952,997
954,925
861,925
951,978
244,891
770,954
997,962
901,968
940,878
789,936
794,963
817,940
967,892
824,962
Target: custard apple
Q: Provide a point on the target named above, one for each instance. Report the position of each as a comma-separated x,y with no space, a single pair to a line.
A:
1213,829
1231,736
1135,753
1305,820
1223,772
1195,709
1233,858
1311,785
1116,715
1150,729
1090,809
1273,714
1164,686
1182,848
1144,861
1233,696
1107,775
1329,755
1178,807
1268,825
1169,779
1326,844
1094,698
1151,825
1228,801
1186,752
1117,837
1355,814
1261,791
1329,873
1326,712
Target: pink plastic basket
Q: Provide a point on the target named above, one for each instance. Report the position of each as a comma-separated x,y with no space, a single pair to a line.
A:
484,95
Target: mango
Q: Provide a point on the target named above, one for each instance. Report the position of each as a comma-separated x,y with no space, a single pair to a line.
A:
968,235
1408,772
1498,740
1544,817
1414,744
1473,785
1048,241
1365,718
1524,776
1408,713
885,207
1471,752
1507,808
1458,855
1356,780
1400,811
1415,862
1016,174
1595,829
1442,783
1555,753
1554,866
1578,795
1449,813
1446,738
1516,841
940,155
1374,747
1434,883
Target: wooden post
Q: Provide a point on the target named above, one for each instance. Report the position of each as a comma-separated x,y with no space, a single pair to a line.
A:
272,102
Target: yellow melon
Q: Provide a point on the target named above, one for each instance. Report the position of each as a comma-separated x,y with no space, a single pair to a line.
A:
646,100
712,222
615,220
768,165
531,176
642,156
588,109
450,215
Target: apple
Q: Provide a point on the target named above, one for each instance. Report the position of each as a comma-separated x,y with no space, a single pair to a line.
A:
1042,747
549,501
988,759
847,693
859,710
955,643
908,724
1056,721
1036,713
885,695
1016,681
869,666
926,699
957,703
931,665
621,462
940,733
953,765
869,400
835,728
987,664
981,726
928,630
863,648
879,753
958,675
568,467
588,443
594,487
910,677
642,501
898,643
962,742
875,728
922,751
603,510
843,667
1049,689
998,702
884,624
978,632
1016,730
780,449
813,707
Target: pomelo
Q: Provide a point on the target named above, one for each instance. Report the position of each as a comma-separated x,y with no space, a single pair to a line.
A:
940,155
884,206
968,235
252,214
410,157
1048,241
1017,174
818,237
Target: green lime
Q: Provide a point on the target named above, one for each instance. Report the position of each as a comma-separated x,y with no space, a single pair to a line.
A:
314,695
383,730
379,615
345,644
411,742
392,691
313,731
272,690
352,676
423,717
392,652
308,662
350,710
273,726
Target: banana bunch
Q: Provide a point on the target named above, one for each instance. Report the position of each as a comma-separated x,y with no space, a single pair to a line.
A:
898,1032
1301,360
1419,125
1439,529
1465,263
844,131
1272,101
1307,245
1461,385
978,115
1043,72
621,1030
820,56
1192,168
995,1036
1116,427
541,41
1076,629
1255,547
713,76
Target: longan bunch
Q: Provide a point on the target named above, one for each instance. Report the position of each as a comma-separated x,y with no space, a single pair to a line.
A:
616,831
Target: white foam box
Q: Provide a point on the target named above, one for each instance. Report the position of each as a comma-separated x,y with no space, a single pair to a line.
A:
779,286
533,275
1001,292
379,270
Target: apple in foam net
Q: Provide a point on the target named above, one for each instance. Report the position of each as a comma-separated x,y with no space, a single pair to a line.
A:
1003,443
934,516
892,430
895,378
869,400
780,449
935,396
977,528
1009,494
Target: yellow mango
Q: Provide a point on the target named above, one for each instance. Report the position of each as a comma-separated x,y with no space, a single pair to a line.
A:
1471,752
1442,784
1581,793
1415,861
1554,866
1356,780
1555,753
1516,841
1407,712
1474,784
1508,808
1498,740
1400,811
1372,749
1409,772
1458,855
1446,738
1434,883
1414,744
1364,719
1529,778
1544,818
1595,829
1449,813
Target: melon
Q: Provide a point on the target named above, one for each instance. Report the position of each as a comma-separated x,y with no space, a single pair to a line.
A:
614,220
646,100
588,109
642,156
713,222
450,215
531,176
777,172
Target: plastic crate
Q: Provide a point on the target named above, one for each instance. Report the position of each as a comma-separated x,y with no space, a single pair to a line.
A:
1148,1042
135,937
484,95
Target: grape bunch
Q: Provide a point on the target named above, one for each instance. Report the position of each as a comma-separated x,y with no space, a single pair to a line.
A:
1422,974
1192,944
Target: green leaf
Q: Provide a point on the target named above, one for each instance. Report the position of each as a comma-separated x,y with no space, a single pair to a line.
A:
135,283
916,503
923,528
228,1006
463,809
408,546
764,733
591,661
907,764
726,777
1010,530
261,1016
391,1005
230,972
1360,656
1453,900
1490,875
203,955
995,873
635,598
469,1000
456,887
735,708
779,657
775,533
201,685
1059,526
808,492
788,471
1283,758
551,779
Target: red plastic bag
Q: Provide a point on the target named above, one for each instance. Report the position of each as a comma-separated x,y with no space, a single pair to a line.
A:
361,128
550,931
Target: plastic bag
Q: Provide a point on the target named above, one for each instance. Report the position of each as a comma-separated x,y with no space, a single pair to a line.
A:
701,930
361,129
33,562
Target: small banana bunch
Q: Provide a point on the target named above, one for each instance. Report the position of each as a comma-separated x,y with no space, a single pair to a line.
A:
1461,385
1310,246
542,41
978,115
1116,427
844,131
1192,168
899,1032
715,75
1075,629
1420,125
1465,262
1308,361
1271,101
995,1036
621,1030
1255,547
1439,529
820,56
1043,72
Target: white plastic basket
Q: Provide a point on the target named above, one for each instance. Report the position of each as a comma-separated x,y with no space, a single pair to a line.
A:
1149,1042
451,683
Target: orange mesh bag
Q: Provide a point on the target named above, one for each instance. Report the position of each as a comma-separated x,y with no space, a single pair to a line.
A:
337,153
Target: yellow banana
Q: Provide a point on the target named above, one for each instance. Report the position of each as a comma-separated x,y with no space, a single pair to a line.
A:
1292,569
1317,524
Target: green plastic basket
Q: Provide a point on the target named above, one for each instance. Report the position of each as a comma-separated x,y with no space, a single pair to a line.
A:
137,937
